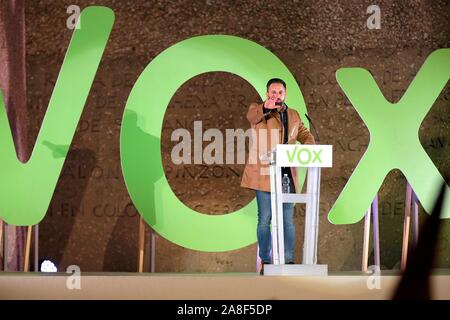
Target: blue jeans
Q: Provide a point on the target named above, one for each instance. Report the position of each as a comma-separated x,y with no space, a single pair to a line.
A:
263,229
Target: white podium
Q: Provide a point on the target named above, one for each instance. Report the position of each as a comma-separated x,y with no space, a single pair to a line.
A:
314,157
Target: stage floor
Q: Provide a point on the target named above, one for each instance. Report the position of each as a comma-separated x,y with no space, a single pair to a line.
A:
216,286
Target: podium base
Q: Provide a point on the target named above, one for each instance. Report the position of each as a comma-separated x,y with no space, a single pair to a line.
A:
296,270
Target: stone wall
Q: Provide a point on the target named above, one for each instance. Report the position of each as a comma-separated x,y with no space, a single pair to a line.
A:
92,221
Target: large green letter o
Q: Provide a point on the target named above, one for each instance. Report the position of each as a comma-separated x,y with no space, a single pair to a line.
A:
140,135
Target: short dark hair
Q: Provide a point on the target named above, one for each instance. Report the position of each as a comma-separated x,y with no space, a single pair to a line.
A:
275,80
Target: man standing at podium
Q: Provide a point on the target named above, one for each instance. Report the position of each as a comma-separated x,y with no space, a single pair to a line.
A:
273,123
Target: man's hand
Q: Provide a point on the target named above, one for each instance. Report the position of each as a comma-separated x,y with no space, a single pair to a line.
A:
270,104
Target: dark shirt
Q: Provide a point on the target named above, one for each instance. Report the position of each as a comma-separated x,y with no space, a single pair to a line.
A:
284,121
286,170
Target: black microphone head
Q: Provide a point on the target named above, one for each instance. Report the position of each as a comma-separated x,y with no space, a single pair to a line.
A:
282,104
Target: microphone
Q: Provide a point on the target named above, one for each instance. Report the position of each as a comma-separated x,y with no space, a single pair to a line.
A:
282,104
313,126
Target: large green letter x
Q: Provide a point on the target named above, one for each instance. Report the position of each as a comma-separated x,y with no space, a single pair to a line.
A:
394,140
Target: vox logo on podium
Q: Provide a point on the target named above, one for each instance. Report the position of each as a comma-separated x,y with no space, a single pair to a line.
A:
295,155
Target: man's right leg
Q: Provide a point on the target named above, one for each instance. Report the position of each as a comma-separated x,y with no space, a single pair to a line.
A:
263,228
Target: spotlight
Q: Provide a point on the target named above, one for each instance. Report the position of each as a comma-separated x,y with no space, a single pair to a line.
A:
48,266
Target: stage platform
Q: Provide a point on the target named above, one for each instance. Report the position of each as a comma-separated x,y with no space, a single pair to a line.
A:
216,286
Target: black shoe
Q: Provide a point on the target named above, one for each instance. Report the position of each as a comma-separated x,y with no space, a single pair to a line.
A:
290,262
261,271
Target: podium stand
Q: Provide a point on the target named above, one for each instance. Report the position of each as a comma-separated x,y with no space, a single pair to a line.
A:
314,157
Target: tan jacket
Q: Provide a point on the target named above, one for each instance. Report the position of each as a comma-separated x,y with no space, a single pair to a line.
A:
256,172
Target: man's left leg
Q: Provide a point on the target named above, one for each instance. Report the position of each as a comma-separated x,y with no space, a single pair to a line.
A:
289,232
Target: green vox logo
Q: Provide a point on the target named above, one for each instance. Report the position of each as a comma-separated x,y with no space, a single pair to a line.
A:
26,189
307,157
304,155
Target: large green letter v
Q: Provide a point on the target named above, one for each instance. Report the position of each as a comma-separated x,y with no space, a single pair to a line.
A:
394,140
26,189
